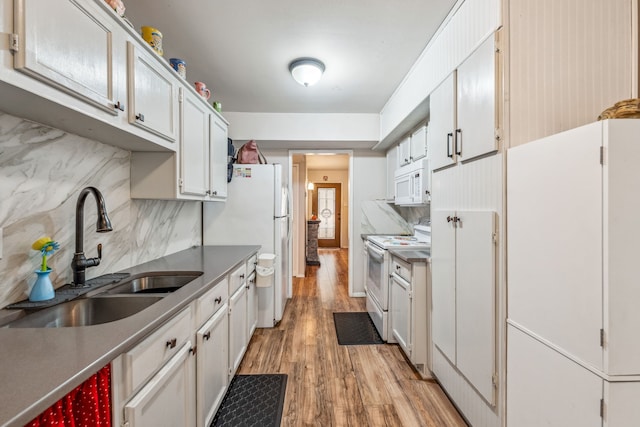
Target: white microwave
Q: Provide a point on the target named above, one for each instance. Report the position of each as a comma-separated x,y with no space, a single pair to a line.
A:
412,184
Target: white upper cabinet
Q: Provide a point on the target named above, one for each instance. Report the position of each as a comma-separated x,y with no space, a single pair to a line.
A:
77,58
404,151
442,123
463,112
198,171
194,144
218,152
392,165
476,96
152,91
418,148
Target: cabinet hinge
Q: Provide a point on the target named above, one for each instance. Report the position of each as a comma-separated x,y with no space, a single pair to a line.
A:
180,183
494,380
14,42
495,237
125,424
180,96
602,155
601,408
410,294
601,337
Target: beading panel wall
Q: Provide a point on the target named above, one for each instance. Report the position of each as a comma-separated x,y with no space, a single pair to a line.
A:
569,60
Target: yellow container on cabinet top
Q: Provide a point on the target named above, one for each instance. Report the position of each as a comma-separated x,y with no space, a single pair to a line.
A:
153,36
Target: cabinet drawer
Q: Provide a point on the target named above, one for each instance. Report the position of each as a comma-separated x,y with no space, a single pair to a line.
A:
401,268
210,302
150,354
251,264
236,279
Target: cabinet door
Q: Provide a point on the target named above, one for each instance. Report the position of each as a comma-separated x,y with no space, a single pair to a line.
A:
212,365
475,299
442,124
194,144
400,312
152,93
252,305
545,388
237,328
476,113
68,45
404,151
168,399
443,282
218,156
392,165
419,144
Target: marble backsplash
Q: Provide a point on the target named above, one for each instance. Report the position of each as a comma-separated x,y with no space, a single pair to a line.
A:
42,171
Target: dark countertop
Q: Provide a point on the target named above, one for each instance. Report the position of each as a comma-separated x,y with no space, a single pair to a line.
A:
38,366
411,255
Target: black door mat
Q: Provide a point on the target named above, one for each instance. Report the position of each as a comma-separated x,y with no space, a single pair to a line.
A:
252,400
356,329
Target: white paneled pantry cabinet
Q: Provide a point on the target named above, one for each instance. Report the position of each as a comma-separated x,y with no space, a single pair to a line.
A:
573,350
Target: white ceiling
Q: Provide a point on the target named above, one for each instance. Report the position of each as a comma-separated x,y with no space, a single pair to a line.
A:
242,48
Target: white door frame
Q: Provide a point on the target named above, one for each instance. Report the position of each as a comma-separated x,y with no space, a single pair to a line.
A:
350,198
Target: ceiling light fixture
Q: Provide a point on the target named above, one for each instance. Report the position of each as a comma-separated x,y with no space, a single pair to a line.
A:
306,71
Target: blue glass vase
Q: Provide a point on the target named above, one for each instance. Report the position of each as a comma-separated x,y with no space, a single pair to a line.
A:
42,290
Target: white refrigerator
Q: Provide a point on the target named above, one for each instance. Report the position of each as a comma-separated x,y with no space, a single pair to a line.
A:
256,212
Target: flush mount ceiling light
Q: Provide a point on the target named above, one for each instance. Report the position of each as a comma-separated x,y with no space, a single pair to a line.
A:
306,71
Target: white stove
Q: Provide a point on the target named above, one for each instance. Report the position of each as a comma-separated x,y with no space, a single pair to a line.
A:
420,240
378,265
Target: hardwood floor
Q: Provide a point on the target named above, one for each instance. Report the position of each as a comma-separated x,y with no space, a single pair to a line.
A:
333,385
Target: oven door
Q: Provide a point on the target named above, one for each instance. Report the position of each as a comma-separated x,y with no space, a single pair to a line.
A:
378,275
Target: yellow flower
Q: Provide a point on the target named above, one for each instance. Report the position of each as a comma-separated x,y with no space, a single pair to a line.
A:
39,244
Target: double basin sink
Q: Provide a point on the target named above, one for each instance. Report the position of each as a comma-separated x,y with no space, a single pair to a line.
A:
108,303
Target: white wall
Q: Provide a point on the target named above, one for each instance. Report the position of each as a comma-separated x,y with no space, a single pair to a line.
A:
42,171
306,131
470,24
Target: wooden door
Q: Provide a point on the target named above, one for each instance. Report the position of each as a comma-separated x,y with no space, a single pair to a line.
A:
326,205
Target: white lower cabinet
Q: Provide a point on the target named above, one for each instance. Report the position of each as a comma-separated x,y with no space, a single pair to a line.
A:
168,398
237,328
212,366
409,284
464,292
252,305
179,374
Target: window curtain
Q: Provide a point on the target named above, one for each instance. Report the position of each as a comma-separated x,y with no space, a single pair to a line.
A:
88,405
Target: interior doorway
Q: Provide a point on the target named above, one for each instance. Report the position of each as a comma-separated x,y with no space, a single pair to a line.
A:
326,204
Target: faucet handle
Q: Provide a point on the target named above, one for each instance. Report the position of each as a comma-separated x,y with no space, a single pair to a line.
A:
99,250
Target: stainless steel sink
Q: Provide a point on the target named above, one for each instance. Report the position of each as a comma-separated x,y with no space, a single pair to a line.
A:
154,283
85,312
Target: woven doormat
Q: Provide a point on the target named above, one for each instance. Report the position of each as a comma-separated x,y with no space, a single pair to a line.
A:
252,400
356,329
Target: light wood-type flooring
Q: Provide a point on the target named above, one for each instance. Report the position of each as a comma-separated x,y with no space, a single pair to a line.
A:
334,385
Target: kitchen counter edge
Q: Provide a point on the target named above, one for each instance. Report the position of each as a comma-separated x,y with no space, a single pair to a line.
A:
38,366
